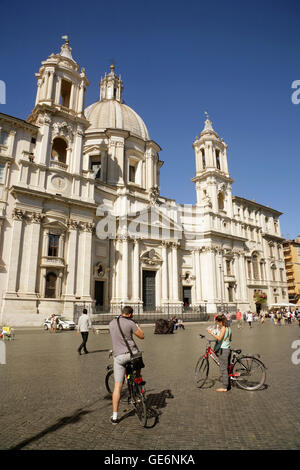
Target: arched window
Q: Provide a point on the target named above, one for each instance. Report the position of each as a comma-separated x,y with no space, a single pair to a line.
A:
203,159
221,201
50,290
273,269
65,93
59,150
255,267
218,159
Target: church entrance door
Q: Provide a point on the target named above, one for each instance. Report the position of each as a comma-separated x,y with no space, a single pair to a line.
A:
149,290
187,296
99,295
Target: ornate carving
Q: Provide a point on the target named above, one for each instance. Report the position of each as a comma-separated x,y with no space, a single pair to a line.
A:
37,217
151,258
154,195
63,128
18,214
72,224
59,182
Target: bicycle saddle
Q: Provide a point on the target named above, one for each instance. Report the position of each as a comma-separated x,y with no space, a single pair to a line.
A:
238,351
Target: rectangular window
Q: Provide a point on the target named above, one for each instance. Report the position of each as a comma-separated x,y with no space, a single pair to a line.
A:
65,93
262,271
228,267
249,269
96,169
2,167
53,245
132,171
3,138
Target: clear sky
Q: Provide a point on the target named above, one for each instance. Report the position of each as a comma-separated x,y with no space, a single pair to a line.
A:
235,59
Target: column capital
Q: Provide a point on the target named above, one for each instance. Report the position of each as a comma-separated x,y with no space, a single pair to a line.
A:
18,214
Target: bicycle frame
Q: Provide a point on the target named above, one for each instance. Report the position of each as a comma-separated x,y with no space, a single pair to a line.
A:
210,353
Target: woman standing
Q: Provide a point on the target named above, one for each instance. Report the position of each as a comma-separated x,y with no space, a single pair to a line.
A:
224,337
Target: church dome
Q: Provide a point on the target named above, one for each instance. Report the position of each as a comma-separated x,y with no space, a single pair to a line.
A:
111,114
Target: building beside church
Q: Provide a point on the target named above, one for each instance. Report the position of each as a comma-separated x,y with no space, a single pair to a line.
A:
291,251
82,219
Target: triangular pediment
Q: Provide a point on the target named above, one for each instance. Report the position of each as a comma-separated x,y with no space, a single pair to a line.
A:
92,149
153,222
54,224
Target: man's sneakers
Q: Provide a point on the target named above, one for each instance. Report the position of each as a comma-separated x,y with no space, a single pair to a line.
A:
114,421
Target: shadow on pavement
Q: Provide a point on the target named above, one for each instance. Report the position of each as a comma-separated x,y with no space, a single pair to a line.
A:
155,402
74,418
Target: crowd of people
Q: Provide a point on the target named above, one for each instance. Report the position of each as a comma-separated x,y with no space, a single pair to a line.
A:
283,316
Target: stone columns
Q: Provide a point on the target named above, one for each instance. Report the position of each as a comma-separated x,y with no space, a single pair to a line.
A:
136,271
198,276
81,99
87,266
16,244
50,85
72,258
34,247
44,146
164,278
243,278
124,269
81,257
175,285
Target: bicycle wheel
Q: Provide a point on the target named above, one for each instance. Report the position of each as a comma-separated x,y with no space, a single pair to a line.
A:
249,373
201,372
109,381
139,403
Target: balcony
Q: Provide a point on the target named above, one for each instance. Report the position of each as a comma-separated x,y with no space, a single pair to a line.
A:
58,164
52,262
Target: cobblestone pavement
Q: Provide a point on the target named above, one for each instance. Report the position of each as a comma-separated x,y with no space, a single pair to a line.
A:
54,399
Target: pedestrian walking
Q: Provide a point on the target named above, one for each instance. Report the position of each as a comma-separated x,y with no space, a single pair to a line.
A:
225,337
238,317
262,318
53,325
228,317
84,323
121,352
250,319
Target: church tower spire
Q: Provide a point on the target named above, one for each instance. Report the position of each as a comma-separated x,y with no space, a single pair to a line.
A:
212,179
59,111
60,84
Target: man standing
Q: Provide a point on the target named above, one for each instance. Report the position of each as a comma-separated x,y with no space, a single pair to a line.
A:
121,353
250,318
238,317
84,323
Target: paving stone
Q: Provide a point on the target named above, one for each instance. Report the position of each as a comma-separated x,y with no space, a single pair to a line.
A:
52,398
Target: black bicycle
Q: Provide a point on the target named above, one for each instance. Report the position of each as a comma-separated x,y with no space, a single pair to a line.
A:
133,384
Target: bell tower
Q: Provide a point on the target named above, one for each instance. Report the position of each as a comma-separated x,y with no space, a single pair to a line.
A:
59,111
60,84
212,179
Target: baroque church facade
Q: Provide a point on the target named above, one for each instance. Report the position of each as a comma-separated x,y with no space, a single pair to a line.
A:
82,220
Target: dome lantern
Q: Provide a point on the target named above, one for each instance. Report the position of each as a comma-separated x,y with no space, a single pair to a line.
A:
111,86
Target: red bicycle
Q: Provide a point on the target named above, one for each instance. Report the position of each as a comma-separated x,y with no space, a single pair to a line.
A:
248,372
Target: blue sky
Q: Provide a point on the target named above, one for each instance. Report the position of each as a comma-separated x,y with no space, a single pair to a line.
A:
235,59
